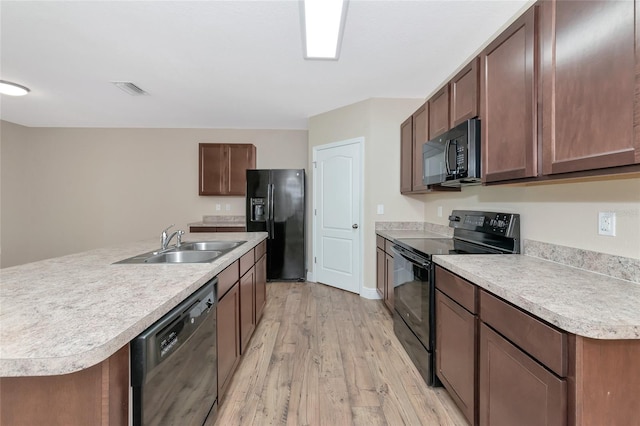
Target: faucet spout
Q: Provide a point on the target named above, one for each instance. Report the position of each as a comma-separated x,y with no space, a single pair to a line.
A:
165,238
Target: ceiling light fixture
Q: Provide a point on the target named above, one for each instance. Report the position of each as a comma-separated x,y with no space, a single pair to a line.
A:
12,89
323,25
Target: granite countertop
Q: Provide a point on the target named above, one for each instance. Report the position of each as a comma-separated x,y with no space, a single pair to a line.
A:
222,221
62,315
578,301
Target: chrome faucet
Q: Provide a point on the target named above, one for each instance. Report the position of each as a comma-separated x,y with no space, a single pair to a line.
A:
166,238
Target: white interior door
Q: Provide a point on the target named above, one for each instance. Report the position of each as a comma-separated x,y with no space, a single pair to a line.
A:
337,198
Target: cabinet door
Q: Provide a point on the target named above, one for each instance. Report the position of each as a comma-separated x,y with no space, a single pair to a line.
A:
420,136
240,158
261,286
212,171
456,364
388,283
588,81
439,113
247,308
380,275
228,329
465,93
406,160
508,108
515,389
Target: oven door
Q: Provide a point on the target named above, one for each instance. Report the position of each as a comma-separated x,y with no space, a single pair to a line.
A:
413,293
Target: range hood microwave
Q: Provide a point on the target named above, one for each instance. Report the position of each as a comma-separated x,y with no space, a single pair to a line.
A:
453,158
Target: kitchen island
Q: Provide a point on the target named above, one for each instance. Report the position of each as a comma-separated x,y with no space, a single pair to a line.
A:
68,321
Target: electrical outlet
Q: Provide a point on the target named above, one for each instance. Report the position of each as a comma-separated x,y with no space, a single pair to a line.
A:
380,209
218,207
439,211
227,207
607,223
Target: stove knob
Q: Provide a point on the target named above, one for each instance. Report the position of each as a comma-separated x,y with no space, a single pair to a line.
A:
454,218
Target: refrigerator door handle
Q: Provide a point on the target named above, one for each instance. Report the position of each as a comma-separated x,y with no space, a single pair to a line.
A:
270,227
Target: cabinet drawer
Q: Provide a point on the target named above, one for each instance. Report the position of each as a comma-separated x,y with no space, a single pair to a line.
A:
543,342
261,249
516,390
246,262
387,247
459,289
227,278
380,242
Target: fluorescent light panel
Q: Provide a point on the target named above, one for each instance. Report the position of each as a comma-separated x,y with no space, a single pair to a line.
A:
12,89
323,22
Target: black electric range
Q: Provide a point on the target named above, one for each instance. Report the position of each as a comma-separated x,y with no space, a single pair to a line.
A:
474,232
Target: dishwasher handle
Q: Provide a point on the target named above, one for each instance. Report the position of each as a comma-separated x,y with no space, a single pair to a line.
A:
165,337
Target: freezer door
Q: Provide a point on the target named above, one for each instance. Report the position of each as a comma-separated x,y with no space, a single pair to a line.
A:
286,247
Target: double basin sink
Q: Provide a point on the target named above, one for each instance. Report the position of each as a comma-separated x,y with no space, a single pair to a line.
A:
188,252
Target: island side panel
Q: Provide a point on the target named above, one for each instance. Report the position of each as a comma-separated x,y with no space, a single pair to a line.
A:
604,382
98,395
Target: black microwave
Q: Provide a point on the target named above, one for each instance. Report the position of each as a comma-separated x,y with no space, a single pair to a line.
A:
453,158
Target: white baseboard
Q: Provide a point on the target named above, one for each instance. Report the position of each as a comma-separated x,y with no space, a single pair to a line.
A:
369,293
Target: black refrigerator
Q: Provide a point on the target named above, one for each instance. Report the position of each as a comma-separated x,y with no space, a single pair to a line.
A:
275,204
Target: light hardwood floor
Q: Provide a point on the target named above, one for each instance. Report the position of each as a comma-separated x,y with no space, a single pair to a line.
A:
323,356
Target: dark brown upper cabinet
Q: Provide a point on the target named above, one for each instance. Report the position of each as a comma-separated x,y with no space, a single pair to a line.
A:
223,168
508,107
406,156
420,127
589,66
465,93
439,112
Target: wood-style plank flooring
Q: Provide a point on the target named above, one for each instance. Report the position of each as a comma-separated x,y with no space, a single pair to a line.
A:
323,356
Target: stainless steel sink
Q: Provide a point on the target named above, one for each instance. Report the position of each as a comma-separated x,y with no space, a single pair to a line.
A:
188,252
184,257
209,245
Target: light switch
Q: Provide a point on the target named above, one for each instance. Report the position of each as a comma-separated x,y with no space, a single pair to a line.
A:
380,208
218,207
227,207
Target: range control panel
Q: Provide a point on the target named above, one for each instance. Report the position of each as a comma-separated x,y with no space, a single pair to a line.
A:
505,224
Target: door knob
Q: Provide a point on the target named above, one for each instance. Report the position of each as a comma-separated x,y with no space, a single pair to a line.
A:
354,226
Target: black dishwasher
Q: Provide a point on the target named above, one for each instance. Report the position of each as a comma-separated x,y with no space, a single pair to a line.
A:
173,364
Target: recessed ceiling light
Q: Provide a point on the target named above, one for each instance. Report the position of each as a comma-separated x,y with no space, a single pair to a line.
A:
323,24
12,89
130,88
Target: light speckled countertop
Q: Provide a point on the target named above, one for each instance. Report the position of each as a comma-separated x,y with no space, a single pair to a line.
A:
66,314
574,300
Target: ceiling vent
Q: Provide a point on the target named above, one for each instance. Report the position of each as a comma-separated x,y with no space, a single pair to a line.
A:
130,88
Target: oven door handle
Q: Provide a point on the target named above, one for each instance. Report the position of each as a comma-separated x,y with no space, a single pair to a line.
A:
416,260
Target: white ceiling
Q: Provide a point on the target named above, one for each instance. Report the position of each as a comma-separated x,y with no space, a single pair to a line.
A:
225,64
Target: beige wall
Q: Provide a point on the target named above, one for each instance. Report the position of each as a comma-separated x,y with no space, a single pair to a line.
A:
558,213
68,190
378,121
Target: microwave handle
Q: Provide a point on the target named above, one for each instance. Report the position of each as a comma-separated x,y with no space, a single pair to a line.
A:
446,156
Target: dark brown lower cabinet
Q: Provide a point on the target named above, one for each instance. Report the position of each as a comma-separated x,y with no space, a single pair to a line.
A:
456,330
247,308
261,286
514,388
388,285
228,329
